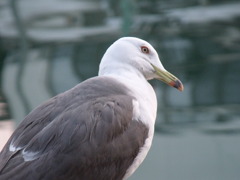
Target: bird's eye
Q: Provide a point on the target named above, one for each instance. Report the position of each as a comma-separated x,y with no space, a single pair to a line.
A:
145,49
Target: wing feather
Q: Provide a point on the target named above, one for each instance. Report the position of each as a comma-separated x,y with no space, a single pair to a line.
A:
72,134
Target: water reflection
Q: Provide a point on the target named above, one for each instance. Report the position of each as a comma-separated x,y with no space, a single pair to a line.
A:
197,131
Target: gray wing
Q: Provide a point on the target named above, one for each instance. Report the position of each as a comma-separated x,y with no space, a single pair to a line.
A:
76,135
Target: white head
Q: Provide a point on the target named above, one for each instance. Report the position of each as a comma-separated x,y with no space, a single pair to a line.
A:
136,55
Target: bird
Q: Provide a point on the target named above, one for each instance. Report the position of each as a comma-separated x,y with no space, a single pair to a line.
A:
101,129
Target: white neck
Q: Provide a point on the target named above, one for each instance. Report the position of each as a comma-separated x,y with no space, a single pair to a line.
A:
144,105
146,102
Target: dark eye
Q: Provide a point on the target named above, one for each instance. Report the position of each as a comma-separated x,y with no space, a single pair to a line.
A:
145,49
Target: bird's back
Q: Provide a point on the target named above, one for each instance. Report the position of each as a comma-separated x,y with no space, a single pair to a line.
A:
87,132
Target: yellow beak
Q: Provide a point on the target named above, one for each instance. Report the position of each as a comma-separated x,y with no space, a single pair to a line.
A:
168,78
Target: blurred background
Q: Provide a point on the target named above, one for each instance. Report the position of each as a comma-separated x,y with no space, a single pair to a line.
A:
49,46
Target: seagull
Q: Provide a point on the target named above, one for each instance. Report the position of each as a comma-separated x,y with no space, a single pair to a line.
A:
101,129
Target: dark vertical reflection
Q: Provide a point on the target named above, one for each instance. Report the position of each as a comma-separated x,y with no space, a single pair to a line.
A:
23,49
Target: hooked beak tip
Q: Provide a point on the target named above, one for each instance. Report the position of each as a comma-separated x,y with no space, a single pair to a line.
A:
177,84
168,78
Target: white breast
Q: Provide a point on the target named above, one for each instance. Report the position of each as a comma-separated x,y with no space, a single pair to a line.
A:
144,109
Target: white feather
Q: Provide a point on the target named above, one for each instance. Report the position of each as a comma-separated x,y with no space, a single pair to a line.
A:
13,148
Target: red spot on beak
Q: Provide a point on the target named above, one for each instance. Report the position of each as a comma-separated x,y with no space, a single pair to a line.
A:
177,84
